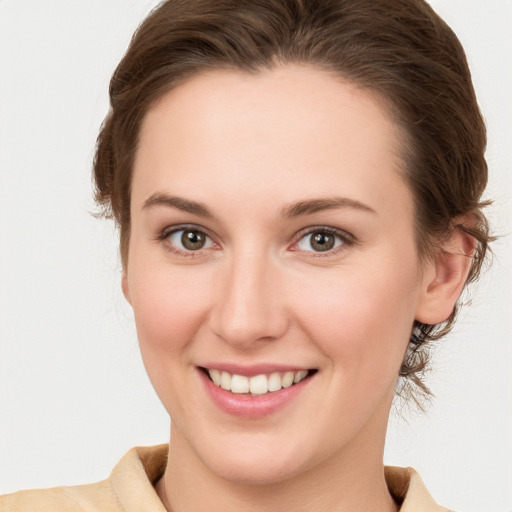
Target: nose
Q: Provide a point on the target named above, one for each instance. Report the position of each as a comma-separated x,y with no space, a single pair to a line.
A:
249,304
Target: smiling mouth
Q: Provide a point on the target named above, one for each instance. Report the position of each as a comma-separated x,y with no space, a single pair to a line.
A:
256,385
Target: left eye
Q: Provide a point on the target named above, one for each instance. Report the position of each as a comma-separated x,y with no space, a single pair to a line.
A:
320,241
190,240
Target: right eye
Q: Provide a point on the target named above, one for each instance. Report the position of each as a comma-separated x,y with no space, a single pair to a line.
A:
189,240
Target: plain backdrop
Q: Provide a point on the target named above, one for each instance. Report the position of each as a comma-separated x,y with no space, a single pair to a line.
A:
74,394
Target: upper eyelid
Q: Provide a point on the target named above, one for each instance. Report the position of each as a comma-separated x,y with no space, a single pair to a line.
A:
348,241
164,233
344,235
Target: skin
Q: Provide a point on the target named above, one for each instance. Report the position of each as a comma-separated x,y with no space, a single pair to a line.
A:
247,147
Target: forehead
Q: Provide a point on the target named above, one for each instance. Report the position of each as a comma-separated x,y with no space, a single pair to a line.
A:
283,131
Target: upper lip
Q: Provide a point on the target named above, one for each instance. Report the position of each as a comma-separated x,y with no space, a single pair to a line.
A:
252,369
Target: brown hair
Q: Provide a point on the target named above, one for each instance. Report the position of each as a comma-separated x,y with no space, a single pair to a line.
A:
400,49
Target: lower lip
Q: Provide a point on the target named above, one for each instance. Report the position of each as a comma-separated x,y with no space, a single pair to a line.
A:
252,406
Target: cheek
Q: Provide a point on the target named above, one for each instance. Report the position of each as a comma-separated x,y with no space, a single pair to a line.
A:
169,306
361,318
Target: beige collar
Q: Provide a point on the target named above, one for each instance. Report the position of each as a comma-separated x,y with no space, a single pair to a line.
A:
134,476
407,488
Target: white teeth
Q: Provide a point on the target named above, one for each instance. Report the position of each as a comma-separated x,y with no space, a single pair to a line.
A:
258,384
299,376
239,384
225,381
215,376
274,382
287,379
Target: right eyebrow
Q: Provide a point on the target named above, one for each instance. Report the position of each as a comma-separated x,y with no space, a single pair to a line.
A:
161,199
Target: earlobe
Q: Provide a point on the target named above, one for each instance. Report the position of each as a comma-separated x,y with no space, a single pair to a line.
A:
445,278
125,286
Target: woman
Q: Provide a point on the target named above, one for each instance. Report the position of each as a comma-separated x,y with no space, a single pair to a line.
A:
298,190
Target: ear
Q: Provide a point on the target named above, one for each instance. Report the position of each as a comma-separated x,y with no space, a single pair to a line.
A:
125,286
445,276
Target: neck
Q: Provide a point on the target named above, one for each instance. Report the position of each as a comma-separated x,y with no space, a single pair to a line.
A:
349,481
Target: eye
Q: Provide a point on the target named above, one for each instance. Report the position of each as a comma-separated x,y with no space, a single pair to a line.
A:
189,239
321,240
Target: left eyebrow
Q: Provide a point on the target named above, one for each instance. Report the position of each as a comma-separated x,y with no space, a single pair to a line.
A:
311,206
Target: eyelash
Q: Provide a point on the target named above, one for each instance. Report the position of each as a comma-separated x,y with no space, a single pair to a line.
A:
345,239
168,232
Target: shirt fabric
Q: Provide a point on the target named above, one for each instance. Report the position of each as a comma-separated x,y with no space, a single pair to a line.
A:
130,489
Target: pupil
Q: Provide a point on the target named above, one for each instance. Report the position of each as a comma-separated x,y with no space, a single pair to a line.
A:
322,241
192,240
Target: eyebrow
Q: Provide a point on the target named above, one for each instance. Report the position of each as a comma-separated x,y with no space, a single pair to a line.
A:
306,207
311,206
179,203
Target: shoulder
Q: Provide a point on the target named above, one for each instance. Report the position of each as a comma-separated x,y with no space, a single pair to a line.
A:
407,488
99,496
131,482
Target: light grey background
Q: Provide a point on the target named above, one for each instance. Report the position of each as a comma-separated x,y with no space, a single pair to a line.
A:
74,394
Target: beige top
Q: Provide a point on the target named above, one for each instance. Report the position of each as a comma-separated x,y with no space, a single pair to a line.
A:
130,489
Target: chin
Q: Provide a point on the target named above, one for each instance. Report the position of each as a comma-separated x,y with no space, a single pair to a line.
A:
251,472
255,460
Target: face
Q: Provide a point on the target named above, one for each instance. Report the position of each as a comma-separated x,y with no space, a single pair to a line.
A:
272,241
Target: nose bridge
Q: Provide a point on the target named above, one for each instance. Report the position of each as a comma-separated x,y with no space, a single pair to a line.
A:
249,306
